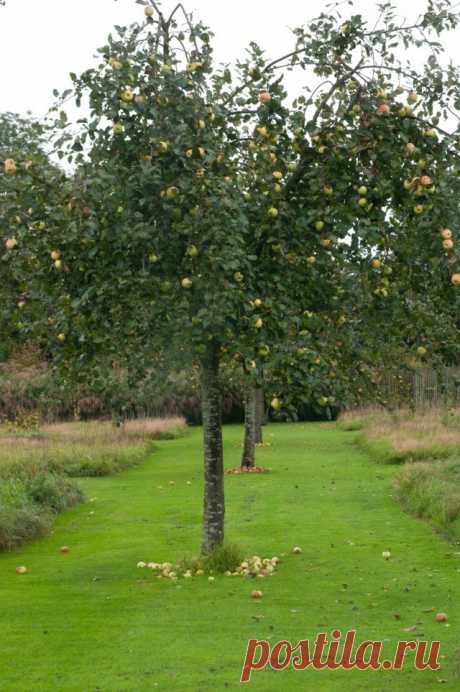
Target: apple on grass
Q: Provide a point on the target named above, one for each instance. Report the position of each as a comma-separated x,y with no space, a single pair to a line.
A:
256,594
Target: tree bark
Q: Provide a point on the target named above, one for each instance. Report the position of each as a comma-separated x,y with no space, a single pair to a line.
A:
214,501
260,414
250,427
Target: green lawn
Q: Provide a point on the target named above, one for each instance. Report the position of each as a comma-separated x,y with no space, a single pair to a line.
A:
91,621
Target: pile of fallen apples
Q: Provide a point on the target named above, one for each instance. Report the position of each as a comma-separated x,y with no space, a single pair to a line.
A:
252,567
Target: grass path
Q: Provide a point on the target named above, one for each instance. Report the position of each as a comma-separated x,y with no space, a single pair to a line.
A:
91,621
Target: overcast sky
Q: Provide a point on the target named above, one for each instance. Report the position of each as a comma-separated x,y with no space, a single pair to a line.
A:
41,41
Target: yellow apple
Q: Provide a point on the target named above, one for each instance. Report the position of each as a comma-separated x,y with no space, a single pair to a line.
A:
192,251
273,212
258,303
311,259
421,351
259,323
419,209
376,264
455,279
263,132
172,192
127,96
276,403
10,166
149,11
328,189
118,128
153,259
187,283
61,337
55,255
319,225
362,191
277,175
412,97
238,276
362,201
115,64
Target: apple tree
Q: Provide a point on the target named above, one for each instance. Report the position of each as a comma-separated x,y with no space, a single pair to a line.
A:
205,209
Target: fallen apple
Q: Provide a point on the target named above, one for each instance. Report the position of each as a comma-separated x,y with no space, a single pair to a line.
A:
256,594
21,569
441,617
297,550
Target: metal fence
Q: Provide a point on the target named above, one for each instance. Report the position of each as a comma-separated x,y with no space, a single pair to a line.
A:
423,388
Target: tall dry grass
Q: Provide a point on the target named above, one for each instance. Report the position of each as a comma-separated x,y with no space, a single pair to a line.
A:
420,432
86,448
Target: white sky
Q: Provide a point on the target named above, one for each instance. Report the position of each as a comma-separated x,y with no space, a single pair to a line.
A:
41,41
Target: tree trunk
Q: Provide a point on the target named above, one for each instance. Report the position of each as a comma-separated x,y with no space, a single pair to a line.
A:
214,502
260,414
250,426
